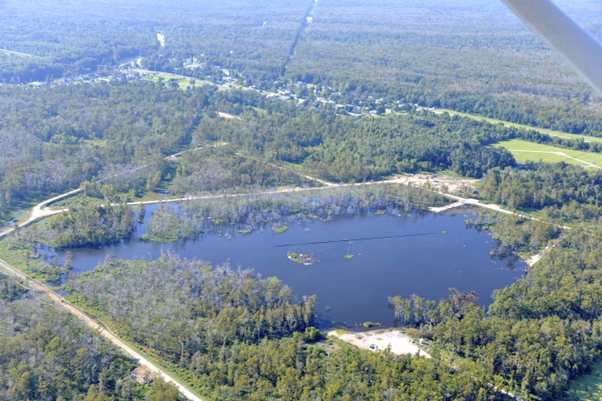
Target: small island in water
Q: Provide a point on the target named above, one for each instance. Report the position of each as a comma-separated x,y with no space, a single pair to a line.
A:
305,259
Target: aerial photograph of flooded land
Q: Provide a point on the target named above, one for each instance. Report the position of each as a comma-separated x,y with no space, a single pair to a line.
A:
300,200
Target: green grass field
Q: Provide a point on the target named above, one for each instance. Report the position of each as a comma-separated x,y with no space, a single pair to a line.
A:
182,81
545,131
588,387
525,151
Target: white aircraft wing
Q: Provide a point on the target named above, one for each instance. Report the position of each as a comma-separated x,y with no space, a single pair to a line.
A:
581,49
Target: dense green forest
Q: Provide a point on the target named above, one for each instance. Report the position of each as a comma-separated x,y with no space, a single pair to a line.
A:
47,355
343,149
235,336
88,225
564,192
56,138
539,333
221,169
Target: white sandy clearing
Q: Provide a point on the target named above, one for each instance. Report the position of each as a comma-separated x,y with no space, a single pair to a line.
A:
447,207
380,340
228,116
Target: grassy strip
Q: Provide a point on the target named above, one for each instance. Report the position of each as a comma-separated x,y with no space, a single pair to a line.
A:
508,124
525,151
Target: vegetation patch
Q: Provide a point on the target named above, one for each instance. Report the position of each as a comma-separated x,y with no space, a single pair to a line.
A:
280,228
305,259
589,386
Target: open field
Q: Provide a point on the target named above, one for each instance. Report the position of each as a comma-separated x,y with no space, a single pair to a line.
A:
525,151
182,81
508,124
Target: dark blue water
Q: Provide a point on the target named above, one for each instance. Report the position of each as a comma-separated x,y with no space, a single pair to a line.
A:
349,292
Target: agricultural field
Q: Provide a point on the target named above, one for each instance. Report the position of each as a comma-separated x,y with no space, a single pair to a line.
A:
525,151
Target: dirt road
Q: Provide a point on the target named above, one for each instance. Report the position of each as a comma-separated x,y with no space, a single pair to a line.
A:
433,183
98,328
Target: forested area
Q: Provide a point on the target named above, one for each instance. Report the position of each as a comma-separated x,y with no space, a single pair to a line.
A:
47,355
563,191
515,235
235,336
468,56
221,169
55,138
54,44
90,225
343,149
118,135
539,333
353,51
253,38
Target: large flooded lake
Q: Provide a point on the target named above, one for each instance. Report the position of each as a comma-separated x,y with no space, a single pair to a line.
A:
358,261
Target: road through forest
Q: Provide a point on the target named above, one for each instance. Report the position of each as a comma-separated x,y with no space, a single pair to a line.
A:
440,185
97,327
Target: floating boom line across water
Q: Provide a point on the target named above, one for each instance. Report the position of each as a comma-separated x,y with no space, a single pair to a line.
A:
355,239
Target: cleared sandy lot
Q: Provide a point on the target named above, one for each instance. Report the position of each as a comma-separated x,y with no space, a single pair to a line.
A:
379,340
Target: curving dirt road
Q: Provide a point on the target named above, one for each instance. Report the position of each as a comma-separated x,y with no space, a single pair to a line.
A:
42,210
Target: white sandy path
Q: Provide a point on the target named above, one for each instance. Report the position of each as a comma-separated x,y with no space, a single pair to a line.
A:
447,207
380,340
98,328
